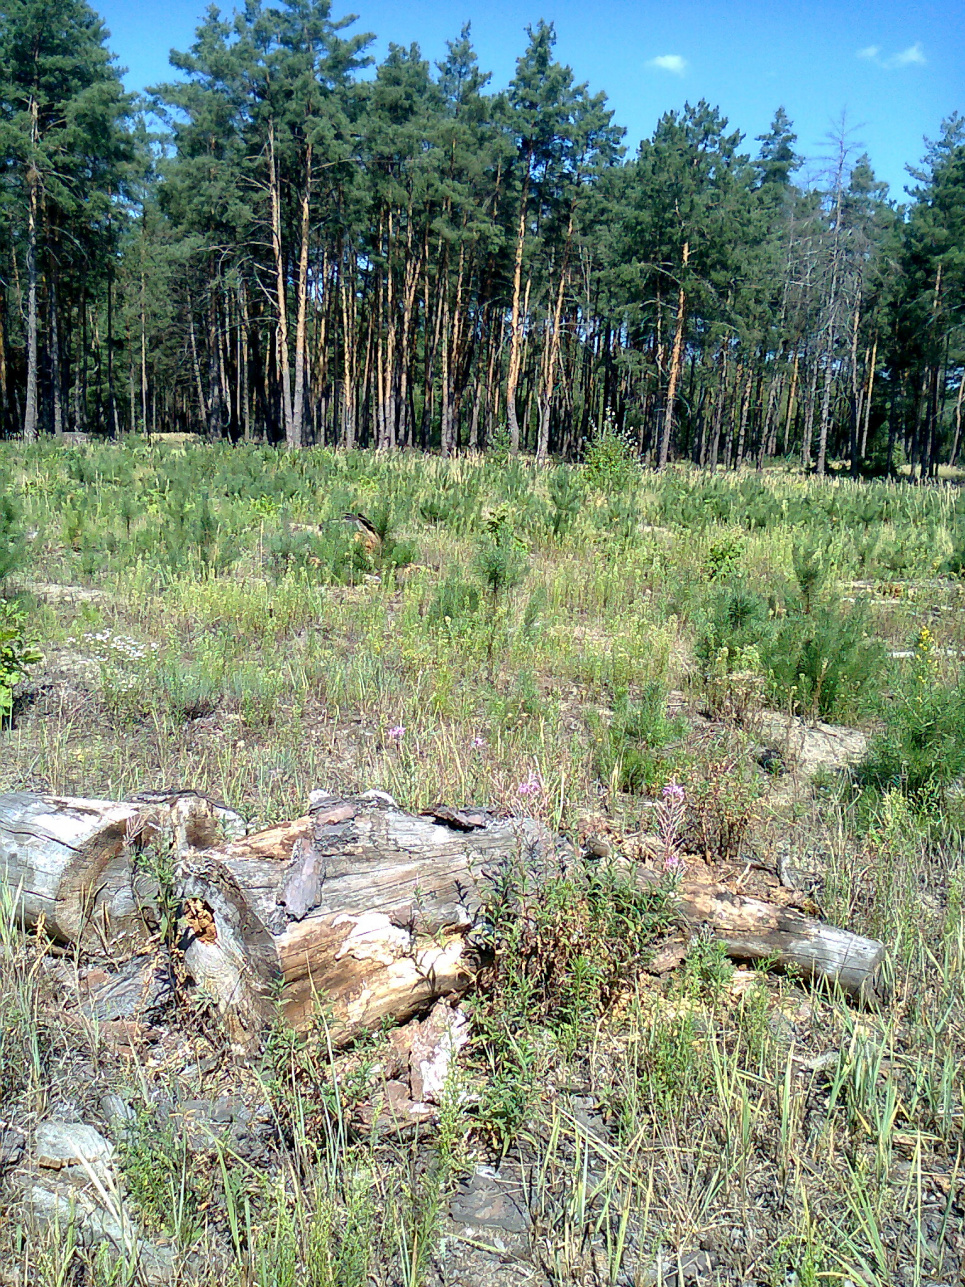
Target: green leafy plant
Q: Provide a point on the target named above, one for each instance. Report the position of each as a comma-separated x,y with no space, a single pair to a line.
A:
500,567
562,947
12,544
17,654
825,662
724,557
633,751
610,462
921,750
566,498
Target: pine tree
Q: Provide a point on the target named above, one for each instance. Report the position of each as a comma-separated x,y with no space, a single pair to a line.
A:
67,150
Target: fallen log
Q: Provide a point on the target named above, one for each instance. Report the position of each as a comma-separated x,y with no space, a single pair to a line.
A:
72,864
359,913
754,930
356,914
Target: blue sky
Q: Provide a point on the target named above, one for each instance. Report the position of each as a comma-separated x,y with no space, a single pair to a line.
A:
895,69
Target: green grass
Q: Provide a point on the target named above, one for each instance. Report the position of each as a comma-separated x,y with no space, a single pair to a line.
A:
561,642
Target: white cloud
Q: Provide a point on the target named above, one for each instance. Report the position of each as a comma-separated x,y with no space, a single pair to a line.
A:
913,54
669,62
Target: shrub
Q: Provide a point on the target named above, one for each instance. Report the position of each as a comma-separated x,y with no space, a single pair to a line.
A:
610,461
566,499
500,567
739,618
824,662
16,654
921,752
721,797
632,752
818,658
562,947
12,545
812,572
454,600
724,558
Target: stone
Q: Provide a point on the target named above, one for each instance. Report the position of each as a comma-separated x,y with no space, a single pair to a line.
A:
491,1201
12,1145
95,1224
812,748
117,1112
58,1144
435,1043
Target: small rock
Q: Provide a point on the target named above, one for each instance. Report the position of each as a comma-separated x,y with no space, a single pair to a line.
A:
94,1224
59,1144
393,1109
491,1201
586,1111
12,1144
436,1041
118,1114
691,1267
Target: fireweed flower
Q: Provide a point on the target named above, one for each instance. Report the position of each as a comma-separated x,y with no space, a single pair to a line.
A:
532,786
478,742
396,733
670,811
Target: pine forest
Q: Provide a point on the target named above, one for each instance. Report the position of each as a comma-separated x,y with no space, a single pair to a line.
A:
289,244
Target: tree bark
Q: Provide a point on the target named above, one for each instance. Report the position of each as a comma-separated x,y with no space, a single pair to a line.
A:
72,864
33,185
274,182
753,930
515,324
298,409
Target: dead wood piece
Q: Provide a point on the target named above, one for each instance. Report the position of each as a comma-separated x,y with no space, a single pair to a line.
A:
72,864
352,915
459,819
366,532
753,930
137,990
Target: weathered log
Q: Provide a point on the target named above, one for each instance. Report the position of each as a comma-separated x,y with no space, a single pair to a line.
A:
753,930
354,914
71,862
357,913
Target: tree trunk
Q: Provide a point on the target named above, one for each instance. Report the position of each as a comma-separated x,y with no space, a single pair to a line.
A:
56,375
298,409
791,403
274,182
515,325
831,330
753,930
551,353
958,421
33,185
72,864
676,361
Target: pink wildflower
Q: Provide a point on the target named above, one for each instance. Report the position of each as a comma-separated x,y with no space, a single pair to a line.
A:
532,786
